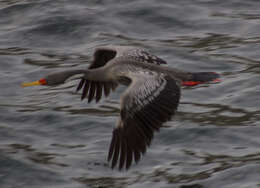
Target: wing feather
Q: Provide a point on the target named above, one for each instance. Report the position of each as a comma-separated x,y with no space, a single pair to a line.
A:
145,57
102,56
92,91
148,102
129,157
107,87
85,89
81,83
99,87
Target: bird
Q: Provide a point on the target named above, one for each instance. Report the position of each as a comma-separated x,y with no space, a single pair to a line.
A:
151,98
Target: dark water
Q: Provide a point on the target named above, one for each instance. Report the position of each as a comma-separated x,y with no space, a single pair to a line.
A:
50,138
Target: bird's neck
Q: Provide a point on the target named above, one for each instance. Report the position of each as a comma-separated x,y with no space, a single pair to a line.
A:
98,74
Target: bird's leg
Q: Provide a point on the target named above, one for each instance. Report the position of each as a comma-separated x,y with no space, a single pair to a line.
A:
201,78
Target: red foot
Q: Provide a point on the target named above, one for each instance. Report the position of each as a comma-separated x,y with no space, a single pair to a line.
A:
190,83
194,83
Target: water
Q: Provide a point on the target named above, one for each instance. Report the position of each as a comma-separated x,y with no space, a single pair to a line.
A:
50,138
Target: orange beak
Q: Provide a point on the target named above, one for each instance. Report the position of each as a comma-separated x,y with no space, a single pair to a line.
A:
39,82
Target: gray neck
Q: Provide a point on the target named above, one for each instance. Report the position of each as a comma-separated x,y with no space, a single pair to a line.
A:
90,74
57,78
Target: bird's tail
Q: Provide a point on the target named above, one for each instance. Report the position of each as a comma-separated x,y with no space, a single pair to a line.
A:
201,78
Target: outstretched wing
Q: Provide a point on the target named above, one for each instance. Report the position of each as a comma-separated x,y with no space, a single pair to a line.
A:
94,89
149,101
143,56
102,56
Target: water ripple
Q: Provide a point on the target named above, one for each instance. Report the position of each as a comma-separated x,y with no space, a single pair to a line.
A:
49,134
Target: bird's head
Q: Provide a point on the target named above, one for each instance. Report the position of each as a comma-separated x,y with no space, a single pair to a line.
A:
53,79
35,83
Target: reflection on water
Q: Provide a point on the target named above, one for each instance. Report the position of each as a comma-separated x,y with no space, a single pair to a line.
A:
235,14
217,114
216,163
104,182
14,51
32,154
50,138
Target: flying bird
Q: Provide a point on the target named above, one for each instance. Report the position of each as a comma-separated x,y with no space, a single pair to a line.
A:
151,99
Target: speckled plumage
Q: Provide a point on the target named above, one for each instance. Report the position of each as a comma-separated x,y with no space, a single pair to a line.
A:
152,96
148,94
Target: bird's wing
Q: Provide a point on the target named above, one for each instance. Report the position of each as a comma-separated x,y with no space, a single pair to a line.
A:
144,56
94,89
102,56
148,102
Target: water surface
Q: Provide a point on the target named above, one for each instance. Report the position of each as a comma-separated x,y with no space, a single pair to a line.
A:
50,138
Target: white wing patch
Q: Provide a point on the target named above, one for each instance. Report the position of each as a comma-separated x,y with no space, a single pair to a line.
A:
105,54
150,100
149,90
144,56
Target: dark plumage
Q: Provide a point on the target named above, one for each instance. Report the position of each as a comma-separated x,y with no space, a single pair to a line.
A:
152,96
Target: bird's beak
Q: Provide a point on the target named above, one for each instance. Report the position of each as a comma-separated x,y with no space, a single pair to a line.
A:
39,82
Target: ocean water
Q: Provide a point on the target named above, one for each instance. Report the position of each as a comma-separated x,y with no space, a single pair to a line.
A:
50,138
